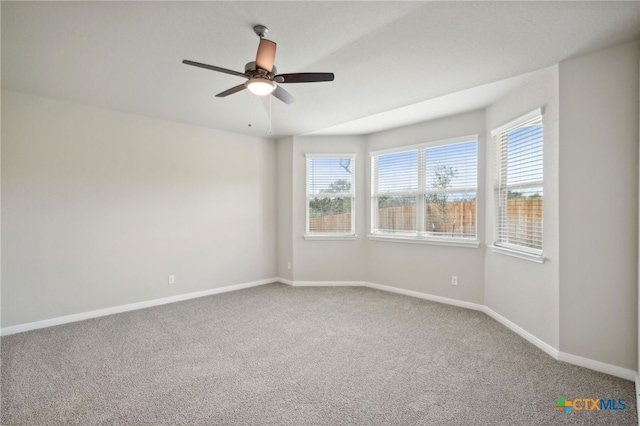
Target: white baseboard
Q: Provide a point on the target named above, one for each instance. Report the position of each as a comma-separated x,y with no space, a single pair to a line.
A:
284,281
129,307
539,343
328,284
602,367
387,288
542,345
426,296
545,347
638,397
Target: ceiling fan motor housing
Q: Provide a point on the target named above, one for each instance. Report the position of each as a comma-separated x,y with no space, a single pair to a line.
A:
251,69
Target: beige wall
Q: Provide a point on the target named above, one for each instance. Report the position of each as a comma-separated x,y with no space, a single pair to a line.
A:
284,208
421,267
525,292
99,207
0,213
599,240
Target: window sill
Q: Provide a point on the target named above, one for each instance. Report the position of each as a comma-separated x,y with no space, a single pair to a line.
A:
531,257
459,242
351,237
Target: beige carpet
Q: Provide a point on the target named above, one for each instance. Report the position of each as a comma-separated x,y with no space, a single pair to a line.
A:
277,355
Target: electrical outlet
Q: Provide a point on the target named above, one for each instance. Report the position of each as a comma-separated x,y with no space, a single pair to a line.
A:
172,279
454,280
288,265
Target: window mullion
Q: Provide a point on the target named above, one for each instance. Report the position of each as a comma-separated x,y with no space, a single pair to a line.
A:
420,200
374,193
502,188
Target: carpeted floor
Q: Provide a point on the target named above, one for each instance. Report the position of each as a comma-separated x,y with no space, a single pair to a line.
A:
295,356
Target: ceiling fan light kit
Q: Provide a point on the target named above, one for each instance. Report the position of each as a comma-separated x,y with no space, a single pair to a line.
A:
261,75
260,86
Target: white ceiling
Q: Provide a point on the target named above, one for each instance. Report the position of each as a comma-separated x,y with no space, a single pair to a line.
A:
395,62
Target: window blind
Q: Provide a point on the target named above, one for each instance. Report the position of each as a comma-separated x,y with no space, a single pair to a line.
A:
520,184
395,192
429,191
330,194
450,187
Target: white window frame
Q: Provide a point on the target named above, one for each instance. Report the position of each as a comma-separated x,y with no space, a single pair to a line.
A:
420,236
514,250
337,236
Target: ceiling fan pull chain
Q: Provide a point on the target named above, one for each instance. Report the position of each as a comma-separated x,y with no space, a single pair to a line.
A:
249,108
270,117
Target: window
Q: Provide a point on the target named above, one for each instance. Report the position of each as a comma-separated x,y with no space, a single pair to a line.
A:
519,184
426,192
330,196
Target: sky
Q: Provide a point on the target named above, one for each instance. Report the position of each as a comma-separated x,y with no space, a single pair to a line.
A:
398,172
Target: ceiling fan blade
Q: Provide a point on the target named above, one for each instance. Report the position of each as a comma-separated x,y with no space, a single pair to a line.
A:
283,95
231,91
214,68
304,77
266,55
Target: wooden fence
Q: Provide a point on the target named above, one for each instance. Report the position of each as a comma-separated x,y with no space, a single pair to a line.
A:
331,224
460,218
524,222
530,208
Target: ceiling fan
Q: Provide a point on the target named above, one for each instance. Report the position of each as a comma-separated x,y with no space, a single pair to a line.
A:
262,75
